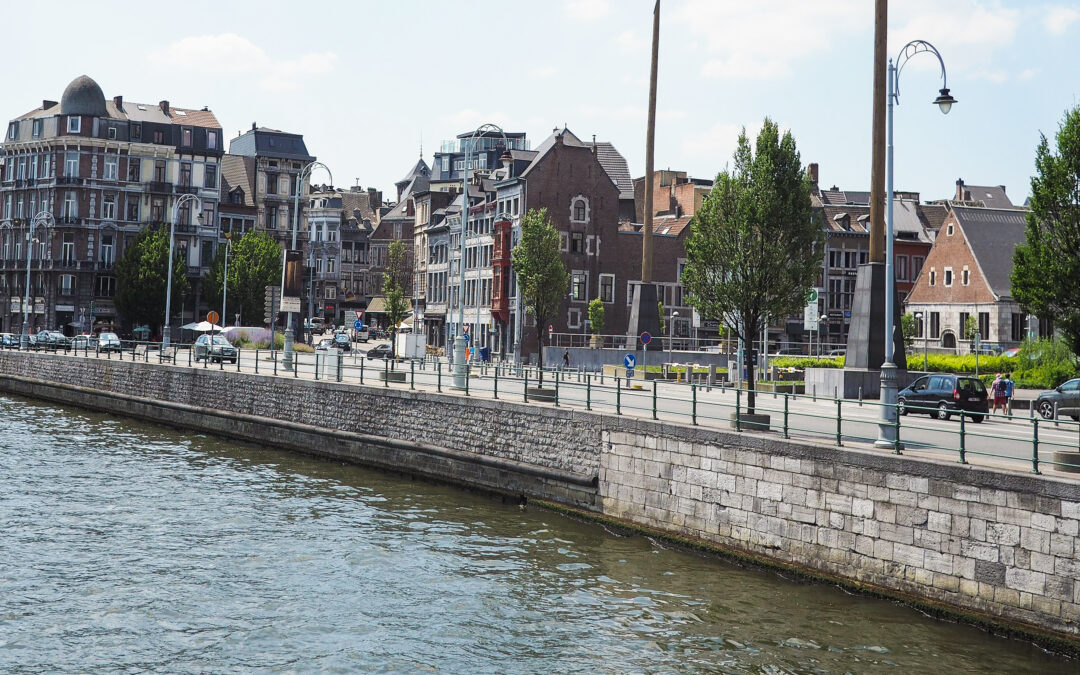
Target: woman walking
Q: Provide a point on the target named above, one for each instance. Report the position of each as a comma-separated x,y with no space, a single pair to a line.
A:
997,392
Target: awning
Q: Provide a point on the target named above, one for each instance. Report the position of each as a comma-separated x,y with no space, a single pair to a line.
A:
201,327
378,306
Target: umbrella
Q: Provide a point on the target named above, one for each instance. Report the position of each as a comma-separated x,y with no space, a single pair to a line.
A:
201,327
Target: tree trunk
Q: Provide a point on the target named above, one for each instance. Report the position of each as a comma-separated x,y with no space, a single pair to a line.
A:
540,349
748,359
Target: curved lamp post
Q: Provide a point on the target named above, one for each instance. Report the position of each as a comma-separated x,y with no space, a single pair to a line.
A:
225,282
944,101
166,333
459,338
47,220
305,173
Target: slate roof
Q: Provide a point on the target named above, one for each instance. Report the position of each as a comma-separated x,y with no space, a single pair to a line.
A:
238,171
663,226
264,142
992,196
834,218
616,168
421,169
143,112
993,234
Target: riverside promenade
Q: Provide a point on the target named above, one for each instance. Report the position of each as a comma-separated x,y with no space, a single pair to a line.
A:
990,541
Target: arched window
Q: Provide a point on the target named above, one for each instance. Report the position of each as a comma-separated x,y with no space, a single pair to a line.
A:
579,209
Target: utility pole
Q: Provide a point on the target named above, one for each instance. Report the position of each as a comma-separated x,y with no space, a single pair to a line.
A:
877,161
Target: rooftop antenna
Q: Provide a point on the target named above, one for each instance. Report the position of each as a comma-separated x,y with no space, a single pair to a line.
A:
421,144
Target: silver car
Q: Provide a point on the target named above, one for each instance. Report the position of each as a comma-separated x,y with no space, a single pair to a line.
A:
215,348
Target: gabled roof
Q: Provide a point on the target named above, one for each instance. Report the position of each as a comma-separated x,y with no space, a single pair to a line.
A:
616,168
991,196
238,171
421,169
993,234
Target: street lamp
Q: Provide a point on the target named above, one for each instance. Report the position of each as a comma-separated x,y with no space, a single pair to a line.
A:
459,338
47,220
886,429
922,329
225,283
671,335
166,333
824,319
305,173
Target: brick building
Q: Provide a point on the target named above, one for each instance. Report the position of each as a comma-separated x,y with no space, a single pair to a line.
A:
104,169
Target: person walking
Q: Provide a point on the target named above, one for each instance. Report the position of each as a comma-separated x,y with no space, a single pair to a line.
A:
1008,393
566,358
997,392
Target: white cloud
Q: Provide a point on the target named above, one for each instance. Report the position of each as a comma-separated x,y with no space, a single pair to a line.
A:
543,72
1057,19
1028,73
587,10
232,54
717,142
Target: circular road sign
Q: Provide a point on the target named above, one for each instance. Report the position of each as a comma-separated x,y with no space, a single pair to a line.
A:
811,295
358,325
646,338
213,317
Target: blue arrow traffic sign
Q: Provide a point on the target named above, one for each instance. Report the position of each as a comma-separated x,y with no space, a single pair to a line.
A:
629,361
358,325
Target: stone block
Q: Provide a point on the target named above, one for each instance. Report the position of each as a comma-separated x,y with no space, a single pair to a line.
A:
1042,521
939,522
946,582
1025,580
1039,562
838,503
963,567
862,508
1062,545
1070,509
984,552
965,493
1006,596
977,531
773,491
1004,534
989,572
939,562
1035,540
952,506
1068,526
969,588
897,533
1059,587
883,549
903,498
912,517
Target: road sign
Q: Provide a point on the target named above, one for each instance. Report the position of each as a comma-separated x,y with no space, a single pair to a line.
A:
359,313
646,338
551,330
629,361
466,335
811,295
358,325
629,372
213,318
810,316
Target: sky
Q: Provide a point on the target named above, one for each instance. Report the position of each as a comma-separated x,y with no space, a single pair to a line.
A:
368,82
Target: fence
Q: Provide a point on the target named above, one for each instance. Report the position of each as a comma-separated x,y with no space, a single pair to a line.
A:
1028,443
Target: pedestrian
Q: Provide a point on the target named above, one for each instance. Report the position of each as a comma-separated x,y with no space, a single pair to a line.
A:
997,392
1008,393
566,358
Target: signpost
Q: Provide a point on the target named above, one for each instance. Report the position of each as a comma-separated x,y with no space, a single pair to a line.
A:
358,325
630,361
213,317
646,338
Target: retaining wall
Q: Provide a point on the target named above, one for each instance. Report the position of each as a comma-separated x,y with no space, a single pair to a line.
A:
1000,545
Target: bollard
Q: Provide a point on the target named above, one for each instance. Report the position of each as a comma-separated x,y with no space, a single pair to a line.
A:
496,385
896,429
221,363
860,395
273,355
205,358
839,418
189,357
618,396
146,356
317,366
362,360
1056,423
556,389
588,392
467,374
438,376
786,416
296,365
1035,445
238,360
412,375
654,400
340,367
963,435
693,404
813,392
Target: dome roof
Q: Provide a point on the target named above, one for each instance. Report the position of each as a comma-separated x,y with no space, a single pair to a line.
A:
83,97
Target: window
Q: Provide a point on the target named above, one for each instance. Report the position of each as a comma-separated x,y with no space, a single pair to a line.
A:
948,277
965,276
271,183
7,207
1016,332
208,214
331,293
211,140
108,207
210,176
106,287
949,229
107,255
19,207
71,208
185,174
577,242
271,218
67,284
331,265
964,316
607,288
46,161
573,318
579,283
916,265
933,276
564,242
71,164
22,169
902,267
111,132
579,210
446,163
159,171
935,325
157,210
134,166
984,325
112,167
67,251
159,137
74,124
37,128
136,131
13,131
185,137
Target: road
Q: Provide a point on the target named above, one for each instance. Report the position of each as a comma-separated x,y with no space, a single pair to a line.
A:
998,441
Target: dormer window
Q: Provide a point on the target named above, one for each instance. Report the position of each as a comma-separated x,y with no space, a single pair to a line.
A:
579,209
74,124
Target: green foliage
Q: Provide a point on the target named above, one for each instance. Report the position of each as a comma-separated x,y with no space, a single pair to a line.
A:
397,305
909,328
971,326
254,264
1041,364
754,247
596,316
949,363
806,362
542,277
1046,267
142,277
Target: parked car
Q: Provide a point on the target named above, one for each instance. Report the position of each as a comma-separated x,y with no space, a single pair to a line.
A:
381,351
838,352
215,348
325,344
341,341
941,396
84,342
51,339
788,351
9,341
1065,399
109,342
1011,353
363,335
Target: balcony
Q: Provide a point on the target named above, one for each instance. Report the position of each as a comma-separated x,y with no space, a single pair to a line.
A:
159,187
187,190
69,180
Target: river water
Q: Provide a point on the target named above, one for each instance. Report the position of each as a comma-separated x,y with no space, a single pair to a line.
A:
132,548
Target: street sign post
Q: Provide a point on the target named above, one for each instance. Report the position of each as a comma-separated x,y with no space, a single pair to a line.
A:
358,325
630,361
646,338
213,317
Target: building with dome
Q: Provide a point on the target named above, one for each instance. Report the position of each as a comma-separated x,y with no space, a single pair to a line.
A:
105,169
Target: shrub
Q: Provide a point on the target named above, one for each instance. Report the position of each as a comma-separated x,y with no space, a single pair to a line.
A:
948,363
807,362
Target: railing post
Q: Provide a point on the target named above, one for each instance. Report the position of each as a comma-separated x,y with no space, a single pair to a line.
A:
588,392
693,404
839,418
205,360
963,438
273,355
146,356
896,429
340,367
738,409
221,362
296,365
239,353
654,400
1035,445
618,395
362,360
386,373
317,366
556,389
496,385
526,389
786,398
468,375
412,375
438,375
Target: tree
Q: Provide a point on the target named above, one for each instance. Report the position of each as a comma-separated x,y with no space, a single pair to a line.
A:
909,328
1046,267
397,306
142,277
660,313
254,264
754,248
970,327
596,316
542,277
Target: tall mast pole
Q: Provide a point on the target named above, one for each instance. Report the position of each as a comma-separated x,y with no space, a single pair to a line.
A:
877,165
650,136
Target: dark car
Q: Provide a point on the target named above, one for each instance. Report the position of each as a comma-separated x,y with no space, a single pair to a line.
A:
342,342
383,351
1065,399
52,340
215,348
325,344
941,396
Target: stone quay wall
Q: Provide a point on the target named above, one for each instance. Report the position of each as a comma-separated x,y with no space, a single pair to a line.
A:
1000,547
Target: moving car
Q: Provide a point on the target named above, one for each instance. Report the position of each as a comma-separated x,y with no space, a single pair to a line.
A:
341,341
942,395
1066,399
381,351
325,344
215,348
109,342
363,335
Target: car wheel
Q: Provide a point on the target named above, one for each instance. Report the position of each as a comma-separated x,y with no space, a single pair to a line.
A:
1046,410
977,418
943,411
901,406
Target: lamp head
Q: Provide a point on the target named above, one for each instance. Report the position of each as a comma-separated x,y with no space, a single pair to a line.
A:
945,101
199,218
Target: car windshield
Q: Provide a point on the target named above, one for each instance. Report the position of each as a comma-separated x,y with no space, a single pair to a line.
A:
218,340
109,336
969,386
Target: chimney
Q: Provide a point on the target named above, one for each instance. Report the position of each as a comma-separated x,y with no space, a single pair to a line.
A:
812,172
164,107
959,190
594,144
253,126
118,101
46,104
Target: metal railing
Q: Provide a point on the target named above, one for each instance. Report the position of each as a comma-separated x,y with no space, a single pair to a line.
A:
1026,443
